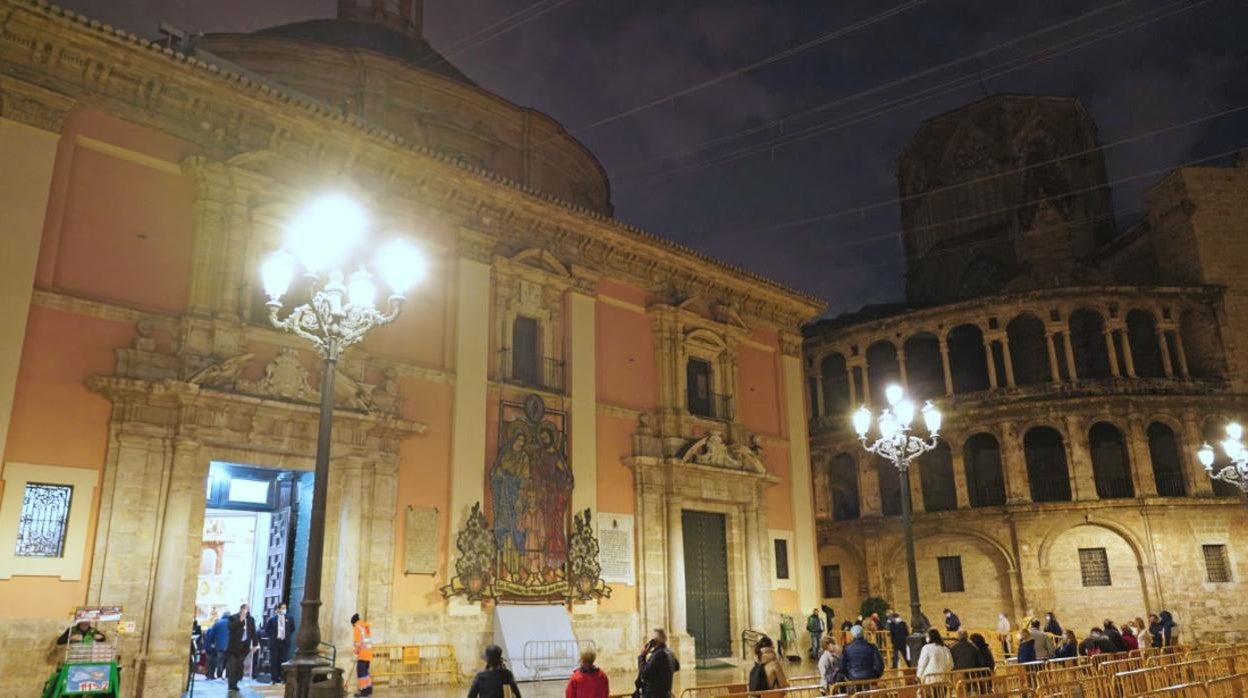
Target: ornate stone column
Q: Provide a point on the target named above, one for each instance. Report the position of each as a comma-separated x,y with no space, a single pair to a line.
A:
1009,361
1055,374
1069,350
677,612
916,486
991,359
868,487
1113,353
582,346
1178,350
1127,357
944,364
818,409
756,566
853,385
1163,342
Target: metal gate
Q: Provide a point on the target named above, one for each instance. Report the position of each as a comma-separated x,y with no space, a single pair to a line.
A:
706,583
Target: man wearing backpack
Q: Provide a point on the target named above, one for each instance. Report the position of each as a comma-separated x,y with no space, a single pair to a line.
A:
860,659
814,626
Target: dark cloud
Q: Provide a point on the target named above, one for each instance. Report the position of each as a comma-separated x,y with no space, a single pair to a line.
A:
586,60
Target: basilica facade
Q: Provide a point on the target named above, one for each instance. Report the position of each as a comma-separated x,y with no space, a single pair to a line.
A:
616,420
1078,371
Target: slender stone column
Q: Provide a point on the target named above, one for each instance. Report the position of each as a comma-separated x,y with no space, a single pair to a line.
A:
991,359
853,386
1141,459
1163,341
806,549
901,368
1009,362
759,592
944,364
582,309
677,613
960,487
819,407
1127,357
1178,350
1055,375
1070,355
1113,354
866,382
1083,480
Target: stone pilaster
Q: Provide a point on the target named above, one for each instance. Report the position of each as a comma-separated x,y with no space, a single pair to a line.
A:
582,342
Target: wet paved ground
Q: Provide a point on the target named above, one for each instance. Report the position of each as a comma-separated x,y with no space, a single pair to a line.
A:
543,689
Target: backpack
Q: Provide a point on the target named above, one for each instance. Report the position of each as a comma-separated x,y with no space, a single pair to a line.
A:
813,625
758,678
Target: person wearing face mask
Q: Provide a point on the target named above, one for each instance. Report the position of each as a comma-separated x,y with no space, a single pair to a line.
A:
279,630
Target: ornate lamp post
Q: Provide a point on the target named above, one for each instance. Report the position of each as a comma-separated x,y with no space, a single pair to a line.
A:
1237,472
341,308
898,446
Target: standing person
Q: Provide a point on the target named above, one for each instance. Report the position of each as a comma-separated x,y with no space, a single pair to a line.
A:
872,624
242,642
952,623
985,653
830,664
1051,626
935,660
1169,629
1154,629
897,634
279,629
656,667
814,626
1113,637
1003,632
1043,646
860,659
767,674
587,680
362,650
489,682
965,655
1069,647
218,645
1142,635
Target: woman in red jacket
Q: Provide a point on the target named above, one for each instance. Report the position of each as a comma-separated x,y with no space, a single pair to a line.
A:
588,681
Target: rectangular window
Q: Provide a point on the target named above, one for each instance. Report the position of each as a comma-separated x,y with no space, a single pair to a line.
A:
950,574
524,358
44,520
1094,567
1217,565
698,387
782,558
831,581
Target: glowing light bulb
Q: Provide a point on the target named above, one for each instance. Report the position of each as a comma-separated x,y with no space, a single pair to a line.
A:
894,394
932,418
276,274
905,413
862,420
324,233
361,290
1235,431
888,425
402,266
1206,455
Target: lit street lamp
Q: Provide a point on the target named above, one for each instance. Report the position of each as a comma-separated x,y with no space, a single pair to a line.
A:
1237,472
342,306
899,447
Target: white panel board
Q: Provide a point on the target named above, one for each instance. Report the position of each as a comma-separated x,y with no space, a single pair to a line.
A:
546,632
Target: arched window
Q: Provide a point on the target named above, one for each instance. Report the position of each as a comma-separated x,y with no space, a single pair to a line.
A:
1163,451
967,359
882,369
1110,466
843,486
1046,465
924,371
835,385
1201,344
1214,432
985,479
1145,351
1028,350
936,475
1087,338
890,487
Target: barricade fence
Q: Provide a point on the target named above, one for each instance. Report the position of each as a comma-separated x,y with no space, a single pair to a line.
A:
414,665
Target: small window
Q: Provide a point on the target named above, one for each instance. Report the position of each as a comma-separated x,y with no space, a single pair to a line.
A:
782,558
524,350
1217,566
698,387
44,519
1094,567
950,574
831,581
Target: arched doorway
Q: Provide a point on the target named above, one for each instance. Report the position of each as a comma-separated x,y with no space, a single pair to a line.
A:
1028,350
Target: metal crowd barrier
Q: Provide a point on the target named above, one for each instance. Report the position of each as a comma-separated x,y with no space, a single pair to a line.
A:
559,656
408,665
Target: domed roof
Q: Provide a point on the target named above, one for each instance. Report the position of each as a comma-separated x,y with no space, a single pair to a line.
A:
371,36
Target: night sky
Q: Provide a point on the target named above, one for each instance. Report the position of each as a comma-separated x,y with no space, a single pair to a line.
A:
706,168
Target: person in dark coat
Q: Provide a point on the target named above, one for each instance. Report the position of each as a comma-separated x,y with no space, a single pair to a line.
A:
489,682
1094,643
216,644
985,653
952,623
1051,626
898,631
1168,631
656,667
1026,647
1114,637
1069,647
279,630
965,655
860,659
242,641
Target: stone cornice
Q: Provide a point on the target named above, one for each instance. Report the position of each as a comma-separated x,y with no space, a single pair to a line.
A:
33,105
227,114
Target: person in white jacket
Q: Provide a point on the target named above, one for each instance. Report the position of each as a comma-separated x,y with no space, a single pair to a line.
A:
935,661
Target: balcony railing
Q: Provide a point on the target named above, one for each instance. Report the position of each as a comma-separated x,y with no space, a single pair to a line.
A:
1170,485
989,494
1050,490
541,372
1115,488
711,406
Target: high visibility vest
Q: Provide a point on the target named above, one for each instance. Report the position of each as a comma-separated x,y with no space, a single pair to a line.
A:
363,640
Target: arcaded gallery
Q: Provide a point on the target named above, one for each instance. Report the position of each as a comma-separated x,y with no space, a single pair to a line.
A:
306,314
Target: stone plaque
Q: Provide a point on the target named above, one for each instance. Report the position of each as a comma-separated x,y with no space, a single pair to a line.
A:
615,548
420,543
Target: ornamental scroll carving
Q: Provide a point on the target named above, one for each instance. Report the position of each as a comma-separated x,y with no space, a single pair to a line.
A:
285,378
712,450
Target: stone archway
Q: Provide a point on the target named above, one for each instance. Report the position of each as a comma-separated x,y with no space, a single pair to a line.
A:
163,436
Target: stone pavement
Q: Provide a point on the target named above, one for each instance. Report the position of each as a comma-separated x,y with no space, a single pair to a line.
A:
543,689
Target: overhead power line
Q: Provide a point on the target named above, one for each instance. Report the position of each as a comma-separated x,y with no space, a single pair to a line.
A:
507,24
929,93
773,58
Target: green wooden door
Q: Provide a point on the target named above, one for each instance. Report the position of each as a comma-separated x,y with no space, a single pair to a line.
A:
706,583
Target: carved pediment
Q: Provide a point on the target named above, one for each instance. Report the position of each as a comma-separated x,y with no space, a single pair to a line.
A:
712,450
285,378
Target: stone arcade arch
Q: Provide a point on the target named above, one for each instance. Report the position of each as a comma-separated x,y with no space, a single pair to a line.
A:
1145,349
936,475
988,570
1130,571
1028,351
843,487
836,398
1087,335
1111,467
925,374
890,486
985,477
967,359
1047,470
1163,451
853,576
882,369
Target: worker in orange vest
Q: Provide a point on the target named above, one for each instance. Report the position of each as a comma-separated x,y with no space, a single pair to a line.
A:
362,648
